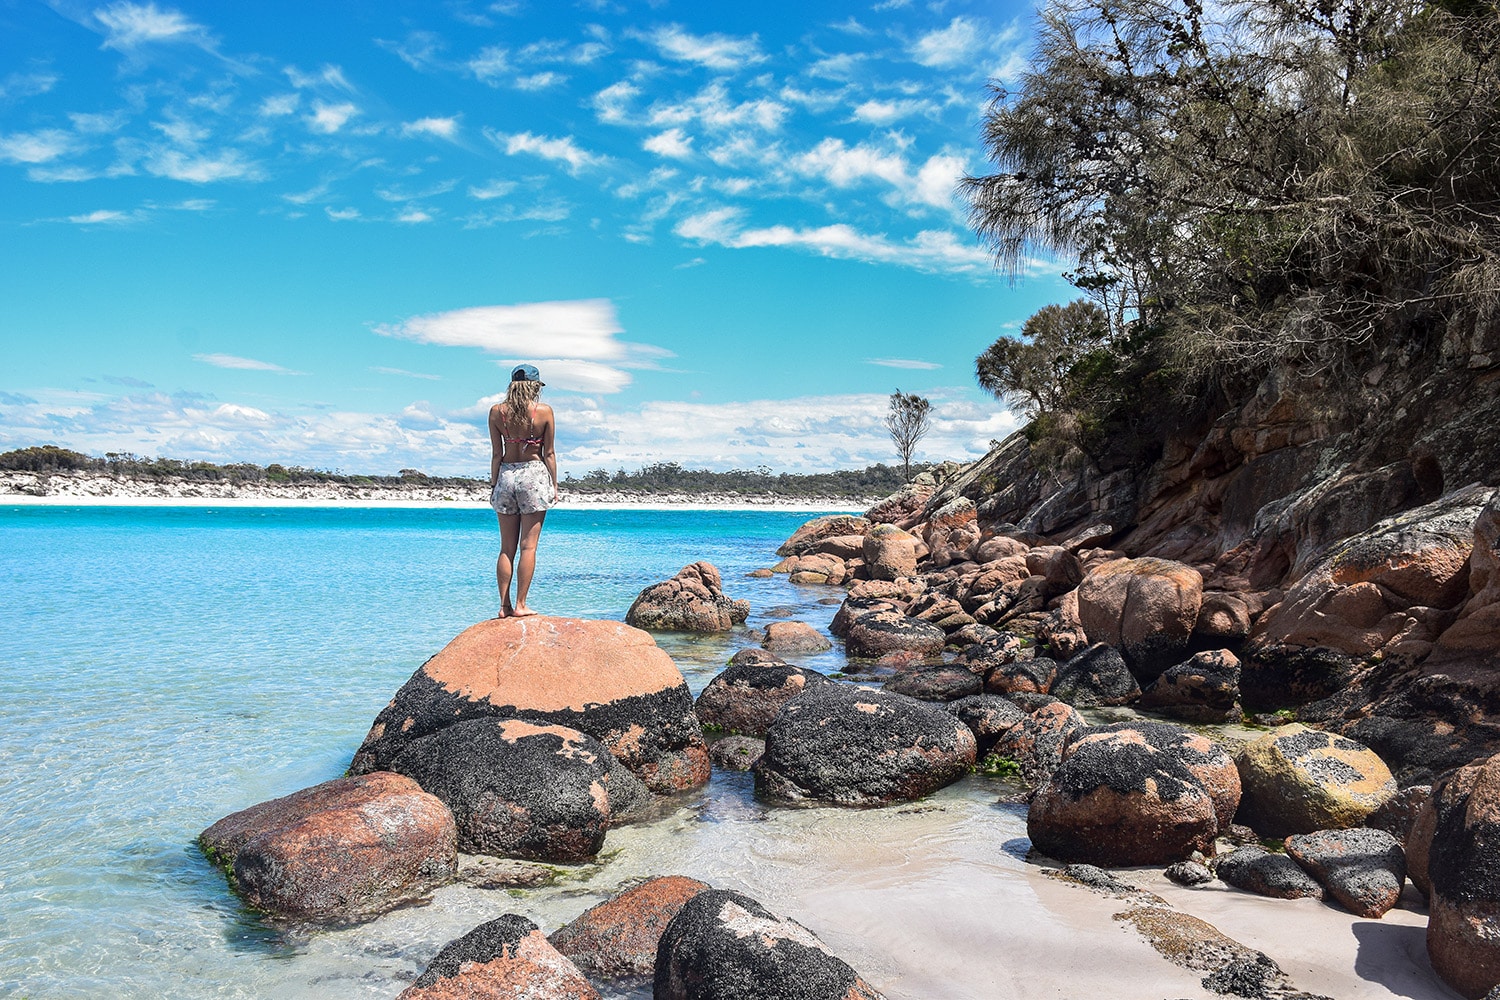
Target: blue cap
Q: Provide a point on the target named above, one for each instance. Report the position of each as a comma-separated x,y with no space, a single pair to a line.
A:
526,373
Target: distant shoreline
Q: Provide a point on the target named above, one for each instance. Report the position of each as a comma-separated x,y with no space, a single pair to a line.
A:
74,490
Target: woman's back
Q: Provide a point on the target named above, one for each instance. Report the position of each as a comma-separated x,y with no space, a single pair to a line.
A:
523,435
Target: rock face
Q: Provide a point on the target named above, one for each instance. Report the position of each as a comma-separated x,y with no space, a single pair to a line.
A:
794,637
1030,676
1147,607
522,790
1117,800
345,850
1209,763
692,601
746,696
602,678
805,538
890,553
1204,688
1463,868
876,633
1036,743
935,684
506,957
841,744
1096,676
1301,780
1257,870
725,946
619,937
1363,869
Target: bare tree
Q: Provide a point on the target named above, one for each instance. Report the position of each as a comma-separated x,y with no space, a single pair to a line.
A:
907,422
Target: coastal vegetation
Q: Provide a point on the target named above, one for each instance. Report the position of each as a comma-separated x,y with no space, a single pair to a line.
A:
907,420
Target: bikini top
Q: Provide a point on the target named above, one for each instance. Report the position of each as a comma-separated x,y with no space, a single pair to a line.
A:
523,440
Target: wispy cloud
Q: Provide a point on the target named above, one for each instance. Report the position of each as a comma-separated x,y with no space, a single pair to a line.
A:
584,328
21,85
908,363
200,168
329,118
107,217
128,26
41,146
672,144
561,150
238,363
714,51
327,77
404,373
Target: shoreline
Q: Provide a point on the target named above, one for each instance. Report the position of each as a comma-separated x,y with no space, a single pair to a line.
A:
567,503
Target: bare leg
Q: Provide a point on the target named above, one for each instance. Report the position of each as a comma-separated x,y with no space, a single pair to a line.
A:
510,537
530,530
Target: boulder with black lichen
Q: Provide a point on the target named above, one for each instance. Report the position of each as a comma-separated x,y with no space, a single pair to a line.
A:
618,938
1035,744
1203,688
692,601
1255,869
876,633
1208,762
746,696
1363,869
1301,780
1463,871
945,683
502,958
988,717
1096,676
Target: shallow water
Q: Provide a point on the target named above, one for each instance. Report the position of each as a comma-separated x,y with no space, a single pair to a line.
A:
163,667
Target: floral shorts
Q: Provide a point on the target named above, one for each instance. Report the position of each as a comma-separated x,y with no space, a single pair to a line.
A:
522,488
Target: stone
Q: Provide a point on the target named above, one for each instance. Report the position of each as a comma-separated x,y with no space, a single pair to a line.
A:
1033,675
618,938
1097,676
1363,869
1002,647
890,553
480,872
1204,688
814,568
523,790
760,574
1222,617
850,746
946,683
794,637
1397,814
1473,635
504,958
903,505
1115,800
1189,873
1212,765
999,547
988,717
346,850
969,636
841,546
852,608
1146,607
736,753
1257,870
692,601
746,696
723,945
1061,632
879,632
1036,743
1300,780
600,677
1463,869
812,532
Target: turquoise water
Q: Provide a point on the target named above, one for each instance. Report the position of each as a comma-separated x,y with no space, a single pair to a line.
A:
162,667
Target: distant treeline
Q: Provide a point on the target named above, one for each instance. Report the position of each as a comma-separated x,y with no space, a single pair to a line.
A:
663,477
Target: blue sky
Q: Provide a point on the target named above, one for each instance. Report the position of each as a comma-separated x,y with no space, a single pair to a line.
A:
323,233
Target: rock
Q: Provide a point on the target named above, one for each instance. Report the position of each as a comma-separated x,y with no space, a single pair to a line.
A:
1092,877
736,753
1146,607
723,945
1061,632
1363,869
1002,647
988,717
879,632
903,505
999,547
600,677
814,568
618,938
1222,618
1029,676
850,746
890,553
1115,800
504,958
692,601
794,637
345,850
970,635
954,513
745,697
522,790
819,528
1036,743
946,683
853,608
1473,634
841,546
1257,870
1205,760
1205,688
1463,868
1096,676
1397,814
760,574
1300,780
1189,873
480,872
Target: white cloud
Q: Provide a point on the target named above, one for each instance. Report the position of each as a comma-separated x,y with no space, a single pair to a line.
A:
490,63
672,144
279,105
97,123
53,175
930,186
342,214
931,250
716,110
330,76
563,150
948,46
715,51
405,374
540,81
581,329
574,375
413,216
41,146
242,364
907,363
128,25
17,86
200,168
442,128
107,217
329,118
884,112
491,190
611,104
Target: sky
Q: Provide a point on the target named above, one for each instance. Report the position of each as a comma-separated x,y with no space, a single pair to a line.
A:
323,233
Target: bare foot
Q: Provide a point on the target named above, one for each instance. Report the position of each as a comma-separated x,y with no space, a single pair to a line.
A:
506,612
521,611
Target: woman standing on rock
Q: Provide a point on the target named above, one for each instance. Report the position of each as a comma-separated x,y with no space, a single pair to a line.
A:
523,482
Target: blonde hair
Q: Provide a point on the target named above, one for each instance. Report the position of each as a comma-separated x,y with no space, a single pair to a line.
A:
519,399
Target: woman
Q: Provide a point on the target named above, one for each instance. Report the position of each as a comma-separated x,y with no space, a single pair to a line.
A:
523,482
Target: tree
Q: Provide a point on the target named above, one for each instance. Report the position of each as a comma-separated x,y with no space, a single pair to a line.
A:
1034,374
907,422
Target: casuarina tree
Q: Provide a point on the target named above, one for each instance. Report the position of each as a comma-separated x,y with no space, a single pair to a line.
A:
907,422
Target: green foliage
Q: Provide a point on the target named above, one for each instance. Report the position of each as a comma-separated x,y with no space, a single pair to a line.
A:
670,477
47,458
1000,766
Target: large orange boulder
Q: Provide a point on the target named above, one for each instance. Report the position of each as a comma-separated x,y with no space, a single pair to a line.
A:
805,538
1147,607
600,677
1463,869
890,553
502,959
692,601
618,938
348,849
1300,780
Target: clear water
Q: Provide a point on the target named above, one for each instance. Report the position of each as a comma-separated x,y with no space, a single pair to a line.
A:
162,667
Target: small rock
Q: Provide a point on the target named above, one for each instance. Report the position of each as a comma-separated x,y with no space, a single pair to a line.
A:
1093,877
988,717
618,938
1036,743
506,957
1030,676
794,637
692,601
1189,873
481,872
746,696
1097,676
1257,870
1363,869
879,632
1301,780
736,753
946,683
1205,688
